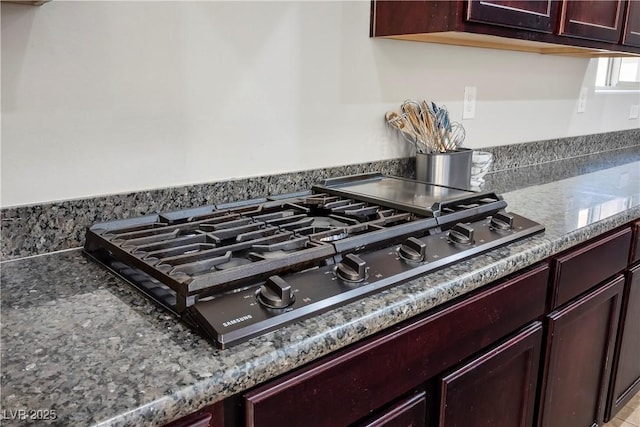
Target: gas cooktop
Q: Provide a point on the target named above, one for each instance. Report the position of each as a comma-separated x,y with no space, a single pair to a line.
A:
235,271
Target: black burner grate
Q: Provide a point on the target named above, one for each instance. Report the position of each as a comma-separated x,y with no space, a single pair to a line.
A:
210,250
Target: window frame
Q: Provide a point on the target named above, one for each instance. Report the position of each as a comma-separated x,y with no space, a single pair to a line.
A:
612,77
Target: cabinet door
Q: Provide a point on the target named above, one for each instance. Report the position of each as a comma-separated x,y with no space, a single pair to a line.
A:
631,35
537,15
496,389
580,344
626,370
592,19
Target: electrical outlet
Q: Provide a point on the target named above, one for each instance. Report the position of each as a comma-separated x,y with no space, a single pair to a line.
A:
633,112
469,104
582,101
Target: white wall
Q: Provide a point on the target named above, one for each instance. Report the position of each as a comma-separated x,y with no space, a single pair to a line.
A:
109,97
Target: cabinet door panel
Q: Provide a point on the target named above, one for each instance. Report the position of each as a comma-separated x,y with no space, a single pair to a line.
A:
626,375
593,19
580,345
469,396
537,15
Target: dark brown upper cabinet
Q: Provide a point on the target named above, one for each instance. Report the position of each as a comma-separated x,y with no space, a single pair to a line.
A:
631,36
594,20
532,15
589,28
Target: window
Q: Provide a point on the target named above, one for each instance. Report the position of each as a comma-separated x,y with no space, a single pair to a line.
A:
618,73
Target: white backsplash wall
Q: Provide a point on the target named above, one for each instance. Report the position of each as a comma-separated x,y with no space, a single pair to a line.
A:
110,97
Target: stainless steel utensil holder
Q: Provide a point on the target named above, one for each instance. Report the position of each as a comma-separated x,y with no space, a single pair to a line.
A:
452,169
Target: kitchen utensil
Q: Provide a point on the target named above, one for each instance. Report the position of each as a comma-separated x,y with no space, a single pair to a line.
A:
455,136
427,126
428,116
413,112
400,123
407,131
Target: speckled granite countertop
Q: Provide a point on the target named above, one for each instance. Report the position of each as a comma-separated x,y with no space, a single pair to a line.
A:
78,341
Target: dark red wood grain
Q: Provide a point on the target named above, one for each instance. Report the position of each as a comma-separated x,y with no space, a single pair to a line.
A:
498,388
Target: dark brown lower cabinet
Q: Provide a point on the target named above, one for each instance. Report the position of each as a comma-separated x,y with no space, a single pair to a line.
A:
498,388
580,342
625,378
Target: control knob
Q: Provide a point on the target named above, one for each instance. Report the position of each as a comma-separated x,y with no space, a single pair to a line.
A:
502,221
413,250
352,268
461,233
275,293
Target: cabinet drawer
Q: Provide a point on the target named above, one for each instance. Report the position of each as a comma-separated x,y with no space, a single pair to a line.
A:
408,412
354,382
582,269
